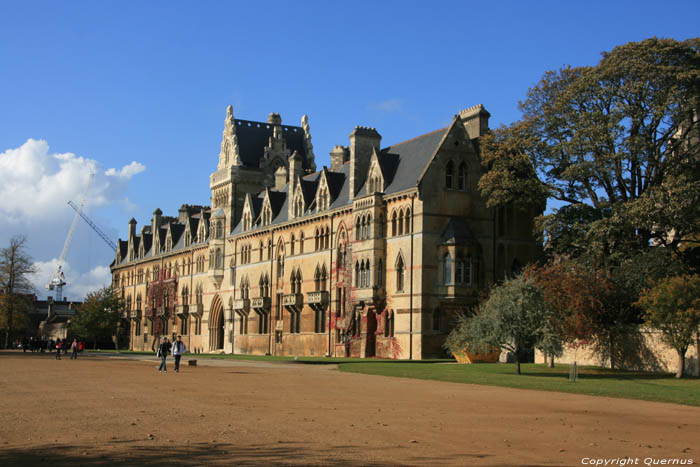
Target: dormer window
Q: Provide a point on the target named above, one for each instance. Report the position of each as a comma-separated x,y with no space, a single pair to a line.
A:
247,221
168,244
323,200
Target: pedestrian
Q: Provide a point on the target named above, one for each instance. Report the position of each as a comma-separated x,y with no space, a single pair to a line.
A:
163,351
178,350
58,349
74,349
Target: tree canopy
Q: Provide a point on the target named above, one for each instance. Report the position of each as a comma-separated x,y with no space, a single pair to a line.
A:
16,289
615,145
98,317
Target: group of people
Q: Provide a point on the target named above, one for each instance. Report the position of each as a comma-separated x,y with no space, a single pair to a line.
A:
42,345
177,349
63,345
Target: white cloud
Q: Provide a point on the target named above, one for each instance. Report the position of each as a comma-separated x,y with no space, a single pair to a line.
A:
387,105
33,182
127,171
35,187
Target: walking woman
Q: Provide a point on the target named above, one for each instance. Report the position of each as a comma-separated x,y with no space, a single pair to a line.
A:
74,349
58,349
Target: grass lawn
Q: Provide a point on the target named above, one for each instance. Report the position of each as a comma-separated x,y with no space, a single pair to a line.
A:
661,387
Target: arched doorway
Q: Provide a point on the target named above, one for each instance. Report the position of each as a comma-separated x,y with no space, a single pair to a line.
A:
371,336
216,325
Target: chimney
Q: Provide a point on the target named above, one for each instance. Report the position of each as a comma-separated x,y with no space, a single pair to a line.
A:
132,229
155,230
295,169
182,214
339,156
362,141
475,120
280,178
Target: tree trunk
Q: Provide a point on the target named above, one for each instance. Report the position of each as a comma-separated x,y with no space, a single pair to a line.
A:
551,361
9,327
517,361
681,363
611,349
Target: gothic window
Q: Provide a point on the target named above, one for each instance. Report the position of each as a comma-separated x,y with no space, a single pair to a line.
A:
462,177
380,226
447,269
280,265
269,248
389,324
261,251
449,174
380,273
316,237
298,206
358,226
317,279
219,259
291,244
400,222
357,274
459,271
245,288
301,243
324,277
219,229
407,224
393,224
400,273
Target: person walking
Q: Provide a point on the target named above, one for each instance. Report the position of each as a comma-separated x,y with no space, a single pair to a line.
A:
163,351
178,350
58,349
74,350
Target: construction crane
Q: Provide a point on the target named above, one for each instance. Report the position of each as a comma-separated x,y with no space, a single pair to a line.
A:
97,230
58,280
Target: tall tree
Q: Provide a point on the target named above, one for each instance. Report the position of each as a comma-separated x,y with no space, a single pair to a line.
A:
512,319
15,287
98,317
673,306
616,145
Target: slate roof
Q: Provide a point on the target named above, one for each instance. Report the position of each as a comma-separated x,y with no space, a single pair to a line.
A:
253,137
457,232
404,162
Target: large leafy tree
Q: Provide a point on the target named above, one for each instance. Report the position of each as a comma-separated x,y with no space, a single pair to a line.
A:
16,290
616,145
512,319
98,317
673,306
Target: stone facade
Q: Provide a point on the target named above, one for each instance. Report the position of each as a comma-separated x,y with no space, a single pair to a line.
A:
370,257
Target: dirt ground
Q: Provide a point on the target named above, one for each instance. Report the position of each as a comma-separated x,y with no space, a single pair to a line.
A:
117,411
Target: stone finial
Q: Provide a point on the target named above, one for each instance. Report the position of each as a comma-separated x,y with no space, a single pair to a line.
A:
274,119
229,142
309,148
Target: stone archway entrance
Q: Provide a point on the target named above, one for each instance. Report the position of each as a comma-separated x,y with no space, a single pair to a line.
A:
216,325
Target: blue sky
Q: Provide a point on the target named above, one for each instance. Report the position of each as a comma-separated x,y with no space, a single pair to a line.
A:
141,88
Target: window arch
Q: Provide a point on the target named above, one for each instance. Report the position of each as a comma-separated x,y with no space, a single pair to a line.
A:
400,222
407,221
449,175
393,224
400,267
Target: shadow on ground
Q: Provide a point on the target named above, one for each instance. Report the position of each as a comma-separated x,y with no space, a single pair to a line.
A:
287,453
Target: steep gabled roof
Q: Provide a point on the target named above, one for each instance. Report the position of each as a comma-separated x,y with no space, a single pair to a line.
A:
253,137
402,163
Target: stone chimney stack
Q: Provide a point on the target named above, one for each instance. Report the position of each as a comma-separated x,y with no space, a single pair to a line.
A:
339,156
182,214
155,229
280,178
132,230
362,141
475,120
295,168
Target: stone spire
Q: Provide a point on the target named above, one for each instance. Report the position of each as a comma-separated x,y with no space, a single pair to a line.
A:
229,142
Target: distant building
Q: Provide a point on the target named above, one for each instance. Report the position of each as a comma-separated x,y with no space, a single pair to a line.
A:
53,317
371,256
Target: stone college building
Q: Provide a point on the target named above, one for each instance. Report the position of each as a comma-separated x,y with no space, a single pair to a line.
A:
371,256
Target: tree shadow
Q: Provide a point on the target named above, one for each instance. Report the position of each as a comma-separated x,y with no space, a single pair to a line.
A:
282,453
